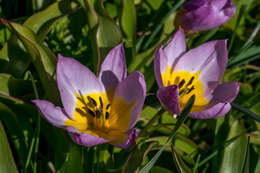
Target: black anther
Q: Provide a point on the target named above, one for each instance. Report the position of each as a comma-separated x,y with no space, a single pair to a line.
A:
80,111
107,106
181,83
98,113
91,113
91,100
107,115
191,80
192,88
101,103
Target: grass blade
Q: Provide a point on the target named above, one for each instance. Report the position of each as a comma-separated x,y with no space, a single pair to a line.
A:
246,111
160,25
184,114
246,155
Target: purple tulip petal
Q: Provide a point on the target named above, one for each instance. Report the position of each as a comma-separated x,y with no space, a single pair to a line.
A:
219,109
209,58
197,58
51,113
176,47
131,139
226,92
206,17
74,77
133,89
169,98
220,4
160,65
194,4
113,69
214,67
86,139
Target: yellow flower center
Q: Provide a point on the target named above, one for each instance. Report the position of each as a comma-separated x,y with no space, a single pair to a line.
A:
189,84
98,115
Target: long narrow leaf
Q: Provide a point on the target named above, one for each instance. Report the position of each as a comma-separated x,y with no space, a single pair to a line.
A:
184,114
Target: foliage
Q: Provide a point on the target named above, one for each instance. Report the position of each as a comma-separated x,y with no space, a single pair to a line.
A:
33,33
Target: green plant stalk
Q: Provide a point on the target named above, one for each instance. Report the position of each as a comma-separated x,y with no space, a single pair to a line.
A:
241,12
246,111
184,114
246,156
152,121
160,25
219,148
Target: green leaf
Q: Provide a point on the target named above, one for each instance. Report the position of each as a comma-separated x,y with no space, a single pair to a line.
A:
185,144
234,154
184,114
7,163
14,87
41,22
251,54
13,57
160,25
108,32
136,157
128,22
159,169
43,59
257,168
74,160
246,111
104,32
180,164
14,130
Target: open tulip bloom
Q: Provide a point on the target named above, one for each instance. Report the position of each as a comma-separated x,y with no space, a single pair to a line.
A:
101,109
198,72
206,14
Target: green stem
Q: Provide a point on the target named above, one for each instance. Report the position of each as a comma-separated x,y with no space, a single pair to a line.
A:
152,121
36,138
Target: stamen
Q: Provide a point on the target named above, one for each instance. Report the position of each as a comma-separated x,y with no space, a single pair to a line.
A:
92,101
98,113
177,79
191,80
181,92
107,106
192,88
91,113
181,83
101,103
80,111
107,115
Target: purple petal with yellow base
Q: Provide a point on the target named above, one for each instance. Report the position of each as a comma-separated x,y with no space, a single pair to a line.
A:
133,91
113,69
74,77
131,139
97,110
219,109
160,65
197,72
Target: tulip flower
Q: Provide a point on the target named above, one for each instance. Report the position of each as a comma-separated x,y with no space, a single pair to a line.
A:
198,72
198,15
101,109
